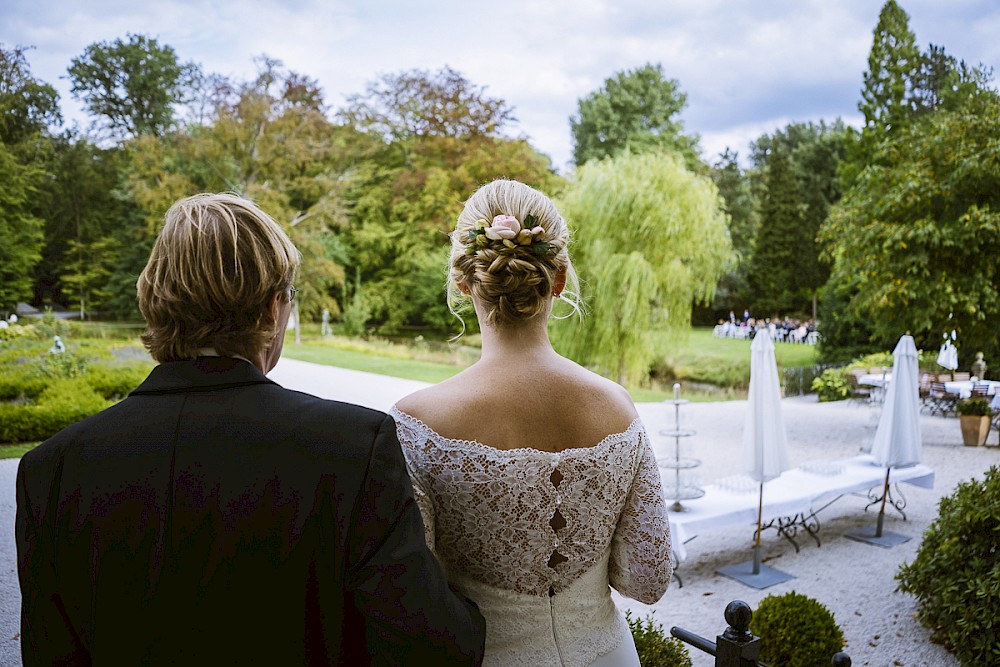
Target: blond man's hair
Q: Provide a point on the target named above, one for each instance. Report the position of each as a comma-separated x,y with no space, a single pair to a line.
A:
515,284
214,271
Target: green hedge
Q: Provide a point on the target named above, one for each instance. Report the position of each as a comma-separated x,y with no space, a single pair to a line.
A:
42,393
62,403
956,573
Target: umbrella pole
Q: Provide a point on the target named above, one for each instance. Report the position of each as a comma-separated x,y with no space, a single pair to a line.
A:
881,510
756,547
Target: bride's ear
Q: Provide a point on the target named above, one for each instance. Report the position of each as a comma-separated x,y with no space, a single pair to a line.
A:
464,288
560,282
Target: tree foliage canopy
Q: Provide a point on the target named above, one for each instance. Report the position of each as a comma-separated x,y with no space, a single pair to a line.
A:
27,107
418,103
132,86
634,110
649,239
797,182
915,236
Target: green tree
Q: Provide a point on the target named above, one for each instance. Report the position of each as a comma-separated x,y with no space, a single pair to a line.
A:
791,267
83,211
418,103
740,205
913,237
634,110
649,239
432,139
888,98
21,235
773,279
27,107
131,86
402,209
268,140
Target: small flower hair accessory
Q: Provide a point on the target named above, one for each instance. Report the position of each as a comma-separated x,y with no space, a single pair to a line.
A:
508,231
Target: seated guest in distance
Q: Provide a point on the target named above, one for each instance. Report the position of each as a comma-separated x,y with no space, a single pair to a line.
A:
215,518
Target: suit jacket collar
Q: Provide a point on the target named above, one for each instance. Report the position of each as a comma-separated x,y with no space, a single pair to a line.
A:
201,374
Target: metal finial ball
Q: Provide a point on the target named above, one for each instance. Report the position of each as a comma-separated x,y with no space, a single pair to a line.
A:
738,615
841,660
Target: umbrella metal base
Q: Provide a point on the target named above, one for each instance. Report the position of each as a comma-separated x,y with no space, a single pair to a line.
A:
765,577
886,540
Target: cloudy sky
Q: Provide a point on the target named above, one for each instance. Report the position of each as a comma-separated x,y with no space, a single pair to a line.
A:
748,66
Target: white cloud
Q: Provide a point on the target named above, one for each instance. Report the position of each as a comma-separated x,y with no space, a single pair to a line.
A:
747,66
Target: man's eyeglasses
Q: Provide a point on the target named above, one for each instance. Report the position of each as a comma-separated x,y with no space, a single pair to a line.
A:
291,294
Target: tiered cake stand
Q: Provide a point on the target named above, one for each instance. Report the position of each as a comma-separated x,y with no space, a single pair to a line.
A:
675,487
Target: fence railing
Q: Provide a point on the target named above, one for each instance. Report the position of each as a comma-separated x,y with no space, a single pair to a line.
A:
797,381
737,646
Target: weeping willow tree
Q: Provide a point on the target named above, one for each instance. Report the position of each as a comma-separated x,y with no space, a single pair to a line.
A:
649,239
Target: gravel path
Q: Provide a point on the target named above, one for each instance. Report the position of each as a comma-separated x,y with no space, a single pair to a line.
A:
853,580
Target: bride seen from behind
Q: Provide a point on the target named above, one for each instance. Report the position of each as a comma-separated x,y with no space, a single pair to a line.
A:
535,477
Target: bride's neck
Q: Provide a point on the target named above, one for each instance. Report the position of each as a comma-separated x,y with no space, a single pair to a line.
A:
524,339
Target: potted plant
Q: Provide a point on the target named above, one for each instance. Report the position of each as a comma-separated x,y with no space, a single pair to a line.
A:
974,416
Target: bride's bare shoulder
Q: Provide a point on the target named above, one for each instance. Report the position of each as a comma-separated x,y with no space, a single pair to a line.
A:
431,400
600,395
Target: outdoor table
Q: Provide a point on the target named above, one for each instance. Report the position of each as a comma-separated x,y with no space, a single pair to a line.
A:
963,388
875,379
791,501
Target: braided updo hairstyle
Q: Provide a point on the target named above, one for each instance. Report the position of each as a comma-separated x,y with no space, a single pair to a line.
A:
511,284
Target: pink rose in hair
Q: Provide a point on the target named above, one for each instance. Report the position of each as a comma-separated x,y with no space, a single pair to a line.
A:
503,227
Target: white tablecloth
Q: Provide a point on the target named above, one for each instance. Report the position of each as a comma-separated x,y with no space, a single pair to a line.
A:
875,379
794,492
963,388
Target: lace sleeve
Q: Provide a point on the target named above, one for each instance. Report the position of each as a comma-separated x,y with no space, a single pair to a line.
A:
416,465
640,566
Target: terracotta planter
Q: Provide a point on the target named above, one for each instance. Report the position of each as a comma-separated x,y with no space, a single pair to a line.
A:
975,429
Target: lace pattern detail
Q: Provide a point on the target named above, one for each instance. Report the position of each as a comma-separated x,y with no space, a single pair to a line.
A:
487,511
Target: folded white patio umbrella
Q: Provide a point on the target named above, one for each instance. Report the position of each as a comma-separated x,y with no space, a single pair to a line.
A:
897,442
897,439
765,448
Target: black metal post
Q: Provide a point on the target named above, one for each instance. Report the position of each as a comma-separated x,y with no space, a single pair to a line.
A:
737,646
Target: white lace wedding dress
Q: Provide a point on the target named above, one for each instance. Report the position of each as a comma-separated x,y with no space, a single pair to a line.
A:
535,538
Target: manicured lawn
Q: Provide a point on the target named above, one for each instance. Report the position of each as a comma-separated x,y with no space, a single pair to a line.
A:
16,451
329,355
725,362
701,359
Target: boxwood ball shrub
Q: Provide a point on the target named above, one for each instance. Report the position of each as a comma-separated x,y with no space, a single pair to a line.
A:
796,631
956,573
654,646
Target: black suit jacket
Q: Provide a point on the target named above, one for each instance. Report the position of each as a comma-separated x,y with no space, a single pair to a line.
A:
214,517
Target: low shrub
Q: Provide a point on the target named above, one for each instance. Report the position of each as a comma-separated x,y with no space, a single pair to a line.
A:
16,386
655,647
115,382
63,365
974,407
831,385
61,403
956,573
796,631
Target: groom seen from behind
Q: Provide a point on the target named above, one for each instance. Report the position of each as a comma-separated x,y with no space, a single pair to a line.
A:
214,517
